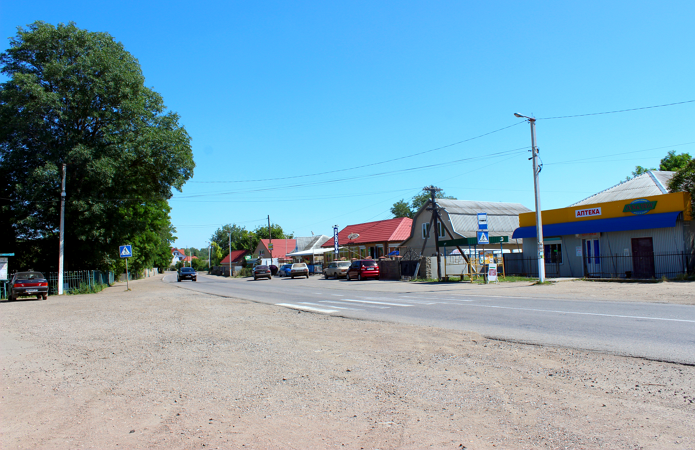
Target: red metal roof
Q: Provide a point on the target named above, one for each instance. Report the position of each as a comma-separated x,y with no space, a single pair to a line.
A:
281,247
391,230
237,255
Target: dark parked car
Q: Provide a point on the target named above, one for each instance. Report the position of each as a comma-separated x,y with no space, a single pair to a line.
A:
186,273
285,270
262,272
363,268
299,270
28,284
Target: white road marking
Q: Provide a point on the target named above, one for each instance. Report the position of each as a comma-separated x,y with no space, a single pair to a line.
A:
375,303
307,308
337,307
356,309
620,316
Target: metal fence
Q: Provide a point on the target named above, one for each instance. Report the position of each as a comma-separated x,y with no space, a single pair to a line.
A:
76,279
642,266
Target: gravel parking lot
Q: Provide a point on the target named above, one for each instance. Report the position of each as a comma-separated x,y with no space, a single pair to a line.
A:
161,367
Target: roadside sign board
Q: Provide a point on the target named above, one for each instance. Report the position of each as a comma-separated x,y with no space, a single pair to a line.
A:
126,251
270,246
492,272
473,241
482,221
3,268
483,238
336,249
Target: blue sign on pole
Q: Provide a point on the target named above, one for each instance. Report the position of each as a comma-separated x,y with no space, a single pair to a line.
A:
126,251
483,237
336,249
482,221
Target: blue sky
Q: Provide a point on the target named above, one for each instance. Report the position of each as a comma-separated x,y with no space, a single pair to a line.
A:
284,92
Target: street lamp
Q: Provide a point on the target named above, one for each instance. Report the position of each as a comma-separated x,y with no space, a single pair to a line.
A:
537,193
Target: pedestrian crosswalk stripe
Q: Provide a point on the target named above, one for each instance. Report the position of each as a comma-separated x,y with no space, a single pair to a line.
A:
307,308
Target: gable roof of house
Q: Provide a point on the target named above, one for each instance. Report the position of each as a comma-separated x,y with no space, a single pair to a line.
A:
281,247
391,230
502,217
174,249
652,182
236,255
311,242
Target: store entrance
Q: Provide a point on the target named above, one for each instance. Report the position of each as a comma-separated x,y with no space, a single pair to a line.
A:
592,257
643,258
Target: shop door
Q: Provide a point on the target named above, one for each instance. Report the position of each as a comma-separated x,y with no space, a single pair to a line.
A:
592,258
643,258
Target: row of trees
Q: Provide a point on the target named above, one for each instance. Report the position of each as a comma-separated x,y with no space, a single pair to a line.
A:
241,239
78,98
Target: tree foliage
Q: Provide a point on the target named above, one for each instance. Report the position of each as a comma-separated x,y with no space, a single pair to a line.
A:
78,98
671,162
402,209
684,180
242,239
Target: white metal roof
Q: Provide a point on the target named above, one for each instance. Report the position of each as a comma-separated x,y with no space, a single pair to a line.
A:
473,208
653,182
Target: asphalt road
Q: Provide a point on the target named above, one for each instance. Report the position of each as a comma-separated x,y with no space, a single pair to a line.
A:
656,331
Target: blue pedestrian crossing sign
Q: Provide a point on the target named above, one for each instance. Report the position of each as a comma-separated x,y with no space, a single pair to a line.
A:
126,251
483,237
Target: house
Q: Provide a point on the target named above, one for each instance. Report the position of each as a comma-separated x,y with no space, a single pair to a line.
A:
237,256
460,217
179,255
370,240
277,254
635,229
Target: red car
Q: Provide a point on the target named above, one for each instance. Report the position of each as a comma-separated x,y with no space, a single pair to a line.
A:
363,268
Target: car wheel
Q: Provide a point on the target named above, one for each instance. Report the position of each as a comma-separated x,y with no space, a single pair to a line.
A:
359,277
195,279
39,297
347,277
292,276
178,279
45,296
325,275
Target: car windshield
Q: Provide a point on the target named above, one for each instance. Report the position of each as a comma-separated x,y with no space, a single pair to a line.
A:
369,263
299,266
287,266
344,264
262,267
187,269
29,275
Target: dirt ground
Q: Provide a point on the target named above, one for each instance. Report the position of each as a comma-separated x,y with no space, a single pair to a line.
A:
166,368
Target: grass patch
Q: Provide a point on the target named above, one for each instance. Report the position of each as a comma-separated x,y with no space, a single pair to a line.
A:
86,288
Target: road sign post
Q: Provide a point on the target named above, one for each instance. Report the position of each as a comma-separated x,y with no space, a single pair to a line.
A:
126,251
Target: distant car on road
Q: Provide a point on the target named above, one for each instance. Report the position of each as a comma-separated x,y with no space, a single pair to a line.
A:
285,270
336,269
363,268
299,270
262,271
28,284
186,273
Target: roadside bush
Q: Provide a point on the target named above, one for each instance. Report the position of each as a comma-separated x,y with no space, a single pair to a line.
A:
86,288
245,272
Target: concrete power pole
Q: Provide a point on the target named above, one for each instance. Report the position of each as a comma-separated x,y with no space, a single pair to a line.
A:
537,194
61,250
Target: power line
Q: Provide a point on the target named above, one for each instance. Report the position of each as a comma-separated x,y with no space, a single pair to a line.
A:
363,166
618,154
617,111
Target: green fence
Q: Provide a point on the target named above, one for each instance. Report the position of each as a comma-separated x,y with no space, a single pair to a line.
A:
71,281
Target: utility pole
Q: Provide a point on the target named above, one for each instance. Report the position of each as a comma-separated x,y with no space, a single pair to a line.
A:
61,250
435,225
537,194
230,255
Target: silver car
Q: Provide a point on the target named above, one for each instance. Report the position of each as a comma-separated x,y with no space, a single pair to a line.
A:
336,269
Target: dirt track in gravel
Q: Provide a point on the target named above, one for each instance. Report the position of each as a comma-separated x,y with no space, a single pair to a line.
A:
161,367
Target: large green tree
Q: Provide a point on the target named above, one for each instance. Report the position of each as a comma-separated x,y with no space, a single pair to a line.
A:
78,98
671,162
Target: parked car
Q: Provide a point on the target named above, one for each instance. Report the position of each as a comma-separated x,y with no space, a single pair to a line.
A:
361,269
336,269
285,270
262,271
299,269
186,273
28,284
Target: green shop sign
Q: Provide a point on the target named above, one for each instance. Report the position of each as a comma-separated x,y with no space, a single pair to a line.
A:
641,206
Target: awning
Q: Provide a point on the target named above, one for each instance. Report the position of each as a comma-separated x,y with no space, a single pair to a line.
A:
639,222
316,251
394,253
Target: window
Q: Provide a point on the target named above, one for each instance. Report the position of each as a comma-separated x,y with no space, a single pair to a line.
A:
553,253
425,230
442,233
